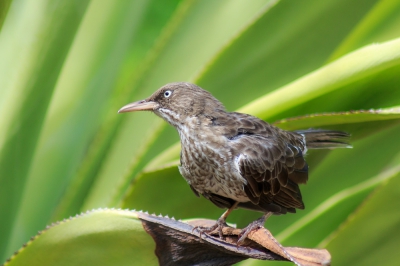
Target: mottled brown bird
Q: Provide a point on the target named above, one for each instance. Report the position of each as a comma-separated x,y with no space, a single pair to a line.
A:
236,160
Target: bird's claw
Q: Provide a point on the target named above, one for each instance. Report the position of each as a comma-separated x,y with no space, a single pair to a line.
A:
219,225
259,223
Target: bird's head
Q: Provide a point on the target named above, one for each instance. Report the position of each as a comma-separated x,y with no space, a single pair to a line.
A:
176,102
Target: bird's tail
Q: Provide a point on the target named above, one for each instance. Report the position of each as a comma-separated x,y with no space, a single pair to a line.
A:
325,139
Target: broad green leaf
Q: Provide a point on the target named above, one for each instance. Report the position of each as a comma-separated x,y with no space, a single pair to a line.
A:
354,67
4,5
85,84
380,24
375,91
333,119
34,42
99,237
168,155
359,123
273,51
377,220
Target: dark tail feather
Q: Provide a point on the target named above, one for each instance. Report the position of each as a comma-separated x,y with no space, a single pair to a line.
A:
325,139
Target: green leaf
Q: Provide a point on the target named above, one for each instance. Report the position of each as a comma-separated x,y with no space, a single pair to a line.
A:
100,237
360,123
289,41
342,118
33,47
380,24
85,83
377,221
4,5
349,69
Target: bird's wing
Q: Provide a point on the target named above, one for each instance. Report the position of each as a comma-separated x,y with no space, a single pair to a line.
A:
268,158
273,168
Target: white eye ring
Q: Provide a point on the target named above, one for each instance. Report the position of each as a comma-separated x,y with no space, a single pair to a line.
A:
167,93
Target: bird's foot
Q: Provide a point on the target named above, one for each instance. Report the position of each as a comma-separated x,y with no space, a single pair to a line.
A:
219,225
259,223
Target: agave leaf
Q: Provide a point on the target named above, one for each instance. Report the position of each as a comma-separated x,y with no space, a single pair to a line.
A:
350,69
33,47
91,237
273,52
377,222
100,237
359,123
380,24
4,5
85,84
342,118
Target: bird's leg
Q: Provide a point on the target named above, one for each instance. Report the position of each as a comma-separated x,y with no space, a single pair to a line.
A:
221,223
252,226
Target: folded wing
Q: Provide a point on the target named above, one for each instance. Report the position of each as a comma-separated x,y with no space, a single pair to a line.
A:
273,168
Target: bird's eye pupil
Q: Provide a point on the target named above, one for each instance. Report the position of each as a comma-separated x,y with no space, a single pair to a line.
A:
167,93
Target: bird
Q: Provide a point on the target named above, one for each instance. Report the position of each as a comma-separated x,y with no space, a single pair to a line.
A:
233,159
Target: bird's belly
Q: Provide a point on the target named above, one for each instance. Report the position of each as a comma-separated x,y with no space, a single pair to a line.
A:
207,164
205,179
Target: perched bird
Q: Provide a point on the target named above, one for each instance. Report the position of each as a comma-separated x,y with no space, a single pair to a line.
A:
236,160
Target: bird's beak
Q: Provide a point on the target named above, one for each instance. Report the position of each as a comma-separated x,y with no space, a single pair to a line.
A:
142,105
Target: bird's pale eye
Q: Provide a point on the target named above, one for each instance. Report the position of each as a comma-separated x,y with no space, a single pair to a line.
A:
167,93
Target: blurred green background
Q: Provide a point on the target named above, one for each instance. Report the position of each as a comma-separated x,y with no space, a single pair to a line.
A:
67,66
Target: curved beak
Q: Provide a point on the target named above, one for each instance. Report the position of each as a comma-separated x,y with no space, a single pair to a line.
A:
142,105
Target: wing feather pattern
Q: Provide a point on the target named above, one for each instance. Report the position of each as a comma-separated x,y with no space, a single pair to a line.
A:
272,164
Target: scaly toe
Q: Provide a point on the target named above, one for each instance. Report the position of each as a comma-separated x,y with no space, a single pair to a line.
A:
247,230
219,225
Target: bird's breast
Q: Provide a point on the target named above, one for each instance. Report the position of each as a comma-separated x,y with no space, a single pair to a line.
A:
208,164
